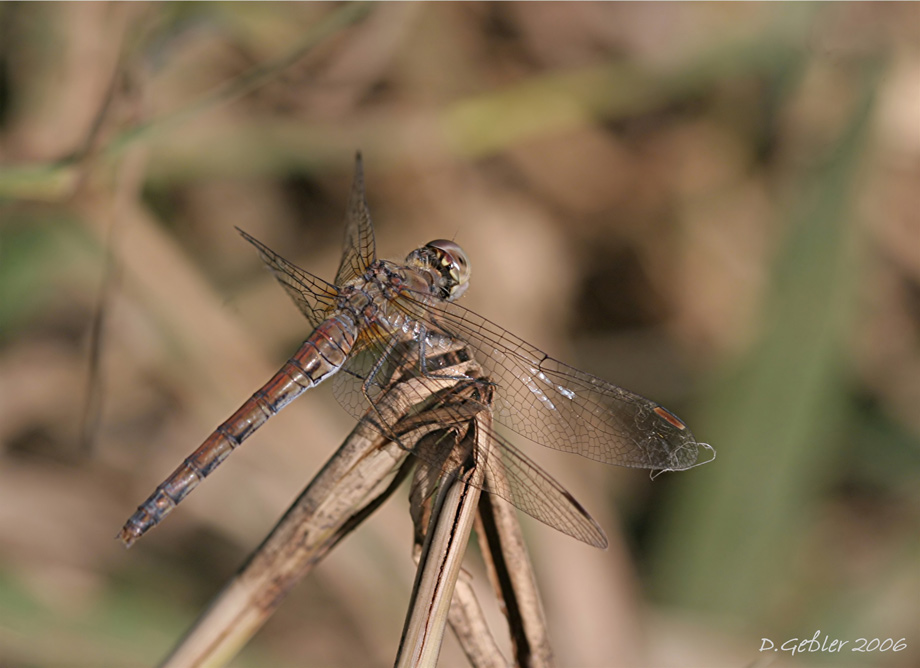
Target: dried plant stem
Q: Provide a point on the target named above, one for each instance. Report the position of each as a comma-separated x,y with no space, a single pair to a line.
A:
447,534
334,502
362,473
468,623
511,572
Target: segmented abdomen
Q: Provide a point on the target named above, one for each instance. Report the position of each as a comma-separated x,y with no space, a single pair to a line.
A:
320,356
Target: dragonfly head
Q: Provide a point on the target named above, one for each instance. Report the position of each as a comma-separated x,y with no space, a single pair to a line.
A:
447,263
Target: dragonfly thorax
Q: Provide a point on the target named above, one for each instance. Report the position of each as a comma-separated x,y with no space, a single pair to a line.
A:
447,265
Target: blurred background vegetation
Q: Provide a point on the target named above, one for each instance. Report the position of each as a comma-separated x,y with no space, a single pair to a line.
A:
715,205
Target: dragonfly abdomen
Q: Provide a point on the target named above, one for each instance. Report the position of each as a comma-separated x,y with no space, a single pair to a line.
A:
320,356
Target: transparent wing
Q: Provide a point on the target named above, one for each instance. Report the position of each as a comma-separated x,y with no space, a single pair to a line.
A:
313,296
519,481
370,356
556,405
451,402
381,358
359,248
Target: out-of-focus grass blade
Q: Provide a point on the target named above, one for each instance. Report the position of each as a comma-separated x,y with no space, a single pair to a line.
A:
733,526
483,124
39,253
341,17
57,180
41,182
560,101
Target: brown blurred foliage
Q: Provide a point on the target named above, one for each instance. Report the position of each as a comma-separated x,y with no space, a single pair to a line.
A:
714,205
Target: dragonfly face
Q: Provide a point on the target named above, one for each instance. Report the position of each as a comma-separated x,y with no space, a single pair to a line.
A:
450,264
383,326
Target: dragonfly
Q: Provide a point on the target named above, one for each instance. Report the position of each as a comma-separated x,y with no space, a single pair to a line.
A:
381,322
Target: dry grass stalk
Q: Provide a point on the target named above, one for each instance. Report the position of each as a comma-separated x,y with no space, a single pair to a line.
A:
364,471
445,538
351,485
511,572
442,529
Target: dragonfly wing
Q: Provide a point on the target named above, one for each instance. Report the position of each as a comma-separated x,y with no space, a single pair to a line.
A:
514,477
313,296
450,382
368,357
359,247
381,358
509,473
560,407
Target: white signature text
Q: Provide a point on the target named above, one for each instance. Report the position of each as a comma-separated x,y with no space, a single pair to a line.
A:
826,644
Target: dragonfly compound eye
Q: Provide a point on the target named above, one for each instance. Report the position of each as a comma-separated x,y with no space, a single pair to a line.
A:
451,262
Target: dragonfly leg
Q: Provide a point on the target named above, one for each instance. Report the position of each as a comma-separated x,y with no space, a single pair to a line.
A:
382,423
452,359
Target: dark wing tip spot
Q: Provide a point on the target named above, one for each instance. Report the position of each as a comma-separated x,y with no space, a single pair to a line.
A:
595,536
